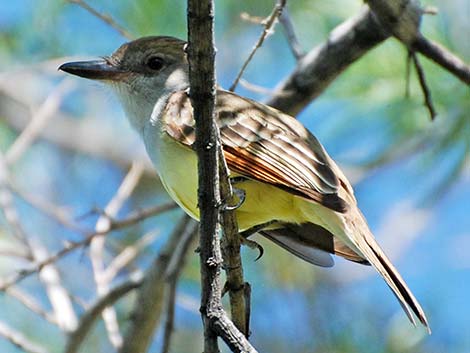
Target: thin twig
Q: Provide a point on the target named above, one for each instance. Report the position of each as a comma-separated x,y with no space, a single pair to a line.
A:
256,88
70,246
30,303
77,337
268,26
139,215
104,17
170,315
148,307
49,275
97,245
60,214
173,274
9,210
443,57
257,20
288,26
22,274
407,74
19,340
424,86
127,255
6,284
57,294
39,119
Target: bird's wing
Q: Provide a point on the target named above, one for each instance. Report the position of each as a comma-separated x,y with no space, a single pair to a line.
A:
263,144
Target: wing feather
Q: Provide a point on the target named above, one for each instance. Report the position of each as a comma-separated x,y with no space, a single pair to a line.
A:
263,144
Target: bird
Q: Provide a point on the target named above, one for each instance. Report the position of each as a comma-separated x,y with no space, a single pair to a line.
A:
294,193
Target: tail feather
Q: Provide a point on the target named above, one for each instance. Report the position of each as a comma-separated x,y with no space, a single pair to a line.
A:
306,239
377,258
358,244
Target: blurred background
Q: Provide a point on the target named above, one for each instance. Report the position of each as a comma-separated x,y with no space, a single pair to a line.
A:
411,176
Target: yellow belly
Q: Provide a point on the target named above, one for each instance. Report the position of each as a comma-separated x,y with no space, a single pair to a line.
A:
177,166
263,202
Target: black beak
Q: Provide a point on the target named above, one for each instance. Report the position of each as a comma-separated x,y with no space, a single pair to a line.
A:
94,70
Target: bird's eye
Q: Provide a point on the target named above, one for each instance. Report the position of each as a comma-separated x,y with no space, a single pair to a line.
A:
155,63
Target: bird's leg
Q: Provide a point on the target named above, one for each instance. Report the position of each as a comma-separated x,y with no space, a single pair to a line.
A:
239,193
255,229
252,244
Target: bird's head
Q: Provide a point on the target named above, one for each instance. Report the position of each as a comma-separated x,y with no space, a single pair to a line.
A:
140,72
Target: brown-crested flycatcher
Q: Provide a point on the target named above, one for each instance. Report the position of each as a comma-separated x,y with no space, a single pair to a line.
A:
291,185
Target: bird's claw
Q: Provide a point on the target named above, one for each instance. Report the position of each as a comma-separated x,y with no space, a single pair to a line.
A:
241,195
253,245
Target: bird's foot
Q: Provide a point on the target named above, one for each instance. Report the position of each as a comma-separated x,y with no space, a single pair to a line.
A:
239,193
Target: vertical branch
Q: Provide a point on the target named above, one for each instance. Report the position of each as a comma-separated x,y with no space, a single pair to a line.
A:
231,254
201,54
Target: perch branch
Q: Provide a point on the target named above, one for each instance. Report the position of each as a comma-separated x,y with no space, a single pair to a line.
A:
231,253
201,54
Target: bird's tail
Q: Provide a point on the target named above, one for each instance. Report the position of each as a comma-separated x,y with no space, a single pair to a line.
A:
365,243
352,240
